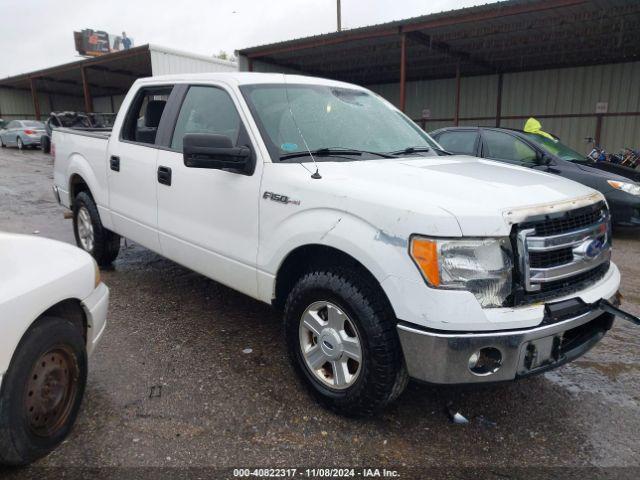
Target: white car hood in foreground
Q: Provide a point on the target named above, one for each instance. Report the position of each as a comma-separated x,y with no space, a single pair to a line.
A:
29,263
481,194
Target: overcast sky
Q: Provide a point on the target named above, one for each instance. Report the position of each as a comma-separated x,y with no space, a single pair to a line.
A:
39,33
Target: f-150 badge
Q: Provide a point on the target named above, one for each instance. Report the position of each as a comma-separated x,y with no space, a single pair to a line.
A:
276,197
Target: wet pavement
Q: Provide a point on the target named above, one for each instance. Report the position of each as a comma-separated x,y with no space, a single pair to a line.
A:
170,385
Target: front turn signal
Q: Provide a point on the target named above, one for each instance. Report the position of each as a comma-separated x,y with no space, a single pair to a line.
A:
425,253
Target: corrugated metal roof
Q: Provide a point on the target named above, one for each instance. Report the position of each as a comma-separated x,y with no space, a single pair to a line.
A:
507,36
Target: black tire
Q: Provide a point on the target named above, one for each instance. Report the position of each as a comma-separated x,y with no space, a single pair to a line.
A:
106,244
19,143
45,144
23,439
383,375
2,145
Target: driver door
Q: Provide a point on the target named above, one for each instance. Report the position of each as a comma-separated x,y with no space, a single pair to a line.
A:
208,218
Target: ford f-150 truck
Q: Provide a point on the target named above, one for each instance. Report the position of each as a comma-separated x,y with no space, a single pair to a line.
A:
389,258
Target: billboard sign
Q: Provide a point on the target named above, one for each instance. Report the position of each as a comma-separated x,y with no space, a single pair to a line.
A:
94,43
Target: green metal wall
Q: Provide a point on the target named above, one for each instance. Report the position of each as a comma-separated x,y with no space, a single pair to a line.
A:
567,91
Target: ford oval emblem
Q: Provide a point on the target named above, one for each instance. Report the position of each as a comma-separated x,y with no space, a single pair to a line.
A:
594,248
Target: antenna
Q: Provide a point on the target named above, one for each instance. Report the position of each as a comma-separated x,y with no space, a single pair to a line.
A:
315,175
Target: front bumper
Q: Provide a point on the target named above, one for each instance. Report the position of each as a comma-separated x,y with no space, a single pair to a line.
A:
568,331
95,307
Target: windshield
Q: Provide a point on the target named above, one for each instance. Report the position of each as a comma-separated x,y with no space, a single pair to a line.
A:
331,118
32,124
558,149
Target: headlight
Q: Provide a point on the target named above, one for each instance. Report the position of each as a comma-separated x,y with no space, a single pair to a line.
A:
96,269
483,266
632,188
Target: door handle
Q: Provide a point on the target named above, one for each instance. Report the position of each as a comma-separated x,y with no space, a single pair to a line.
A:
164,175
115,163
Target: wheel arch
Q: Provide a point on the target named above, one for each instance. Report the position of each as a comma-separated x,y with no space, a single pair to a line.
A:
69,308
77,184
306,257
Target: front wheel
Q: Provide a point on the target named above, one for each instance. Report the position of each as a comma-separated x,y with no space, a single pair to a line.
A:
90,234
42,391
343,343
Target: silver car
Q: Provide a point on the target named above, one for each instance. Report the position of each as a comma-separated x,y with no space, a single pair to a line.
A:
22,134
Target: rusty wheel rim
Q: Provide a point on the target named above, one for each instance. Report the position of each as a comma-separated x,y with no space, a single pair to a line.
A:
51,390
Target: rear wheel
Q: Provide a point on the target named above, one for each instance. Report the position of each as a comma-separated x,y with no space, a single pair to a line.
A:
2,143
42,391
343,343
91,236
45,143
19,143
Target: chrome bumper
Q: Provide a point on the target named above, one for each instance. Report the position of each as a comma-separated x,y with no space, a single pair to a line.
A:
444,358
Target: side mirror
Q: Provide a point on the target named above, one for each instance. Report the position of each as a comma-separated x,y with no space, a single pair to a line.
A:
545,159
207,150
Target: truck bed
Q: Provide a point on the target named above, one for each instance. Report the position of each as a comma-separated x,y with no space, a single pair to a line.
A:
83,153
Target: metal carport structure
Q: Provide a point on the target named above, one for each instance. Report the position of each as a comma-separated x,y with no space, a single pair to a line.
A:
81,84
490,42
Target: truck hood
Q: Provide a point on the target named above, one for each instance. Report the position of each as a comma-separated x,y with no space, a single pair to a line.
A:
481,194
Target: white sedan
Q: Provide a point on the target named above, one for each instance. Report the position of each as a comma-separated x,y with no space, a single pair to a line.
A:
53,310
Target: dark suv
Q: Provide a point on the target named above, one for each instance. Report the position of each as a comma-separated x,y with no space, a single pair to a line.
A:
541,153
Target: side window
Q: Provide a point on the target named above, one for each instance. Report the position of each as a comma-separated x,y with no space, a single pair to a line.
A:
143,118
460,141
12,124
206,110
502,146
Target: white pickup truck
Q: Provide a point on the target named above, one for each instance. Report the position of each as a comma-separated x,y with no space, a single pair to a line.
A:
391,258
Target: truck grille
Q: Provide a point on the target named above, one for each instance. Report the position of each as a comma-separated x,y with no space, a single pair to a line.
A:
564,252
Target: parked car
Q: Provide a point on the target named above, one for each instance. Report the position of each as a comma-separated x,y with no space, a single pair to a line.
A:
53,311
322,198
22,134
540,153
77,120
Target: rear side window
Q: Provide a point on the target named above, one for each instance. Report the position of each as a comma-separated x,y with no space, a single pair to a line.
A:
206,110
462,141
143,118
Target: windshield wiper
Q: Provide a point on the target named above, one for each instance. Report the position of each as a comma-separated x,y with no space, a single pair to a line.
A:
420,149
336,152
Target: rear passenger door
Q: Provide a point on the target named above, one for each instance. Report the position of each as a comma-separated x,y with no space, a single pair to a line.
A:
131,168
208,218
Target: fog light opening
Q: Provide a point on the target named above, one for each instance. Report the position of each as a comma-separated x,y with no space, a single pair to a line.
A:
485,361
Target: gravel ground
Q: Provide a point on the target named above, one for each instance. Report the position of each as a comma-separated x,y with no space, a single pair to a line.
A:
170,385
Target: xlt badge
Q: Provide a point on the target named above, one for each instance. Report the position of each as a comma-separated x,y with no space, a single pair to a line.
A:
276,197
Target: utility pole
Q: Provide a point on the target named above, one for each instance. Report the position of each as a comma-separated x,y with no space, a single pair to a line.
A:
339,17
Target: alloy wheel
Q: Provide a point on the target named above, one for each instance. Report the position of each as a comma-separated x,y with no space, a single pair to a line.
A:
330,345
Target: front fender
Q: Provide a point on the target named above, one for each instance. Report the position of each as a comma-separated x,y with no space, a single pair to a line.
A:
382,249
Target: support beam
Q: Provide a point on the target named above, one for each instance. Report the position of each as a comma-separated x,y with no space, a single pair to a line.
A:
598,136
339,16
113,105
34,97
499,100
250,64
88,101
403,71
456,116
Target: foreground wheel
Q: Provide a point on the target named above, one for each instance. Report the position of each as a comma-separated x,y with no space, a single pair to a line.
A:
342,342
42,391
20,143
91,236
2,145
